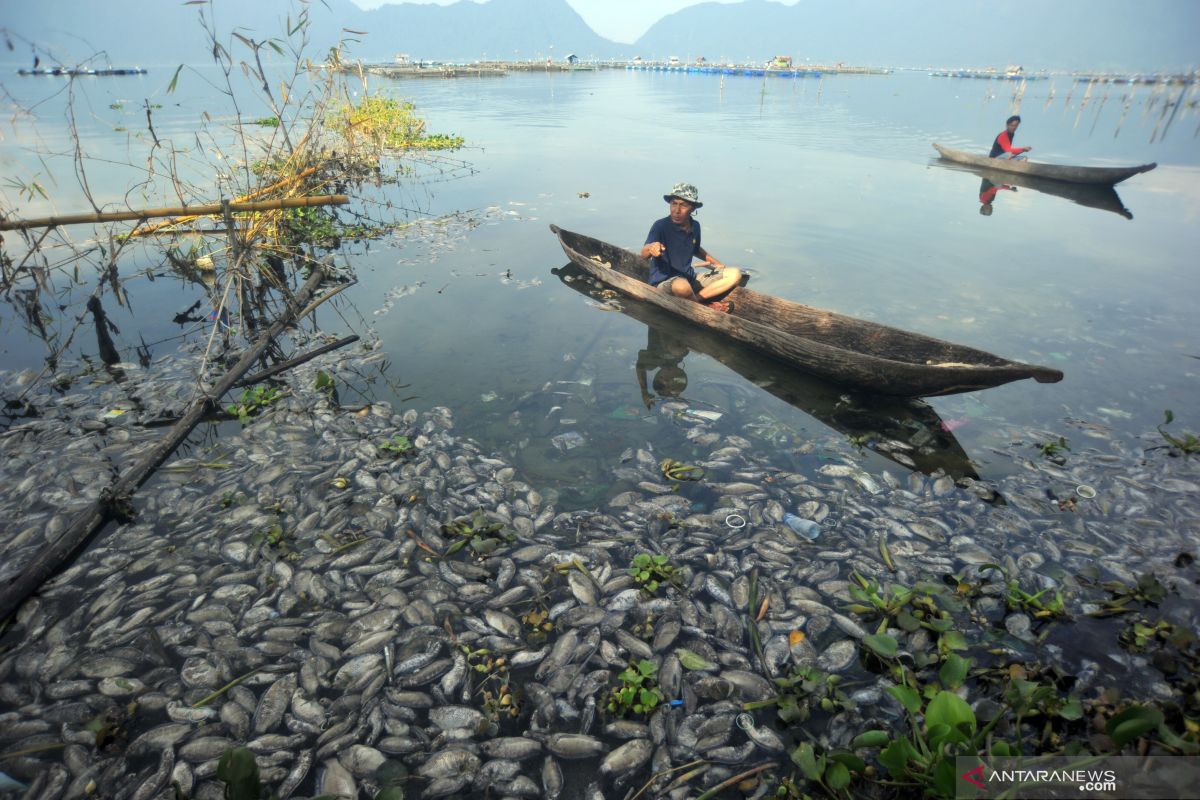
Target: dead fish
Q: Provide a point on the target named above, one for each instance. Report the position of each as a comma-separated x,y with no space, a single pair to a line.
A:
627,758
574,745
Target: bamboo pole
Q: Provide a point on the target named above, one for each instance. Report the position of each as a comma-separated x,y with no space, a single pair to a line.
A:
243,199
48,561
196,211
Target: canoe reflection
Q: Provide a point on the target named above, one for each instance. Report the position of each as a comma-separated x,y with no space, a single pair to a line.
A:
907,432
1103,197
987,195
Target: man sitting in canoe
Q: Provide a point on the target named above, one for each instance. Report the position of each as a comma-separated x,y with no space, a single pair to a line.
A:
1003,146
670,246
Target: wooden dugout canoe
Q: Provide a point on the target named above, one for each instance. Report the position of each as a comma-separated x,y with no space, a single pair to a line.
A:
852,352
1059,172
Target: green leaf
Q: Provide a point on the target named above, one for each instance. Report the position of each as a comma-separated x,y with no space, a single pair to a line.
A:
1071,710
944,777
953,640
1133,722
691,660
907,697
906,622
648,697
882,644
806,758
952,711
954,671
896,757
849,760
837,776
875,738
647,668
239,771
390,793
175,81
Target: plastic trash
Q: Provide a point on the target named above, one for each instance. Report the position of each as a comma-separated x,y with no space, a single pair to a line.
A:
806,528
567,441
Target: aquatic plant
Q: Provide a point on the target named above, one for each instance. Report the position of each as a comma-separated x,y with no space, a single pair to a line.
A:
1148,591
238,770
1053,448
477,532
387,123
275,542
1187,444
397,446
651,571
674,470
327,386
638,691
252,401
1040,605
803,690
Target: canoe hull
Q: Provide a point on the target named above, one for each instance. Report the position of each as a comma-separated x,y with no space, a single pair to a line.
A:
852,352
870,420
1091,175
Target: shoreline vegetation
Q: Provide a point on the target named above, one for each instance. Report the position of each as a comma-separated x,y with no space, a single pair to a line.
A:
323,595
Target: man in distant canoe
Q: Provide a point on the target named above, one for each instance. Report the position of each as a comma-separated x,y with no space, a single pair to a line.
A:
1003,146
672,243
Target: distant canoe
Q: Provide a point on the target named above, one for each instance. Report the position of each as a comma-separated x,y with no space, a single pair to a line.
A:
72,72
853,352
1097,175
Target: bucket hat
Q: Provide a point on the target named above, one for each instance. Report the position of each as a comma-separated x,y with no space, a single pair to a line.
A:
684,191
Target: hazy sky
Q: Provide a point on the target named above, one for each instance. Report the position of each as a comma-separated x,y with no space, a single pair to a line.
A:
618,20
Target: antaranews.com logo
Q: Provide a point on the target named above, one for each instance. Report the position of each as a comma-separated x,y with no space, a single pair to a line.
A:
1140,778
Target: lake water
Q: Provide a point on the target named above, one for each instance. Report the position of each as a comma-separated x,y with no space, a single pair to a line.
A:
827,190
829,193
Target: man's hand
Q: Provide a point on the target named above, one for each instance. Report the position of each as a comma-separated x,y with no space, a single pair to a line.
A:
655,249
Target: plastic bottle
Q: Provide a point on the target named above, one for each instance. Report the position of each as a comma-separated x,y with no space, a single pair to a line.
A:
806,528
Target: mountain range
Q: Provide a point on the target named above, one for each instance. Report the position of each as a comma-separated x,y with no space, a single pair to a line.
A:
1104,35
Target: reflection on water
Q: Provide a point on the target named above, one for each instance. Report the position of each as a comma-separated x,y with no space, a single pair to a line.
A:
987,195
906,432
1104,198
